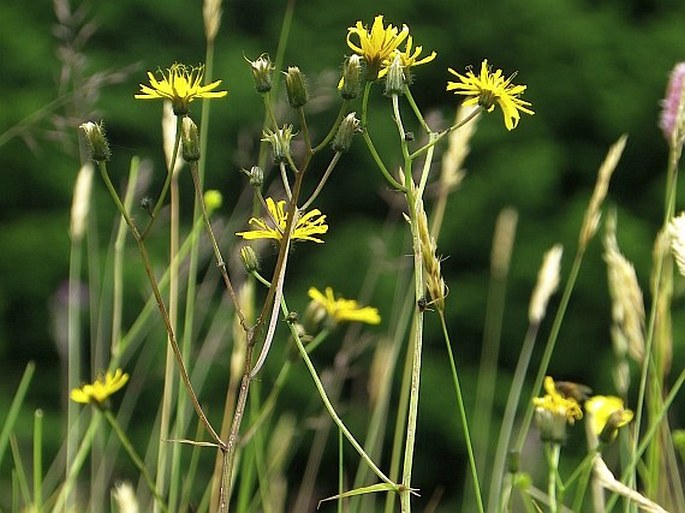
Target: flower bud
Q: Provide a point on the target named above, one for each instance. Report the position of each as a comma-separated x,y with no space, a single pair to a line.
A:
190,140
213,200
296,87
249,259
280,142
349,126
262,71
351,83
395,79
98,147
256,176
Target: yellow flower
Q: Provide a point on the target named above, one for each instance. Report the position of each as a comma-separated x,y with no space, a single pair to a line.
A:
489,89
307,225
606,416
180,85
376,45
100,389
554,411
408,58
344,310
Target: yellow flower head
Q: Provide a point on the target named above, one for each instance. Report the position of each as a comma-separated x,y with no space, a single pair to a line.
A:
181,85
553,411
343,310
409,57
606,416
307,225
100,389
489,89
376,45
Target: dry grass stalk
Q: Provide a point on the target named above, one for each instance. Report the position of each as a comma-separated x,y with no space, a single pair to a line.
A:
548,281
593,213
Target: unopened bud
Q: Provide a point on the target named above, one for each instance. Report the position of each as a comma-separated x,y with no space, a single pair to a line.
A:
349,126
395,79
249,259
262,72
351,83
190,140
98,147
256,176
296,87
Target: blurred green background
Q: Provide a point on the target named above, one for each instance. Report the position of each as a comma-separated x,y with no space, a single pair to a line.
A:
594,70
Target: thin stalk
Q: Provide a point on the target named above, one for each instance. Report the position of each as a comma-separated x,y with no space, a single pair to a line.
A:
549,348
417,111
77,464
416,347
334,128
167,182
441,135
38,460
369,142
502,452
135,459
331,409
649,434
324,179
553,453
284,180
462,414
73,355
118,264
161,306
14,409
163,448
215,247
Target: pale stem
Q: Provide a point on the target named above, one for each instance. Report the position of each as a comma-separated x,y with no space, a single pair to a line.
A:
284,179
323,181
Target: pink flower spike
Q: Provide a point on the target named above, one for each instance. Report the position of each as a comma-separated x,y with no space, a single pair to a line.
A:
671,103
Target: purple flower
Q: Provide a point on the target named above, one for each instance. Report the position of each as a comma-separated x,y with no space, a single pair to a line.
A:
671,103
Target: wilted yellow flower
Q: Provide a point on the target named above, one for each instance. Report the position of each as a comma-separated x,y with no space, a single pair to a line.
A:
607,415
307,225
553,411
376,45
100,389
344,310
489,89
181,85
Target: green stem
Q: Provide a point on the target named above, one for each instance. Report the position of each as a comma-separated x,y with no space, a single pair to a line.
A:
130,450
462,414
324,179
160,305
369,142
329,406
444,133
38,460
553,454
416,350
167,182
549,349
502,452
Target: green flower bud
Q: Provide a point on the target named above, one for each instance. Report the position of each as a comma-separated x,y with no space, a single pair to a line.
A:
249,259
395,79
262,71
349,126
98,147
352,77
296,87
190,140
